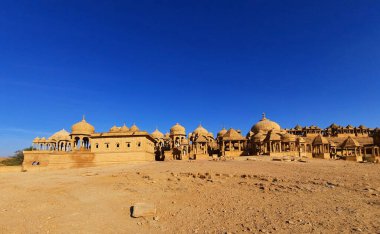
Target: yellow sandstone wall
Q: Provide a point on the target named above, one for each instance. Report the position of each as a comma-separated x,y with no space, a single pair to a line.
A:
76,159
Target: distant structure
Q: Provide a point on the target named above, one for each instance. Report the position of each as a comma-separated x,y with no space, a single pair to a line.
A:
85,147
350,143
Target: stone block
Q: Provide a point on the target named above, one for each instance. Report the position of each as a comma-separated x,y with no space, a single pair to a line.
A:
143,210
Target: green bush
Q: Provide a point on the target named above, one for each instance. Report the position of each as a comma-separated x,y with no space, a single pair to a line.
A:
16,159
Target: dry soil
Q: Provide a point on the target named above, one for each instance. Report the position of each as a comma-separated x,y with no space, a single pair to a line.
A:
262,196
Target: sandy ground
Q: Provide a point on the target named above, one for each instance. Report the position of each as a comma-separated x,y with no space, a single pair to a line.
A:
319,196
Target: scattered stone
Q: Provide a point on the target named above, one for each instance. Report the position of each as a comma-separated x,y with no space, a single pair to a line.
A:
357,229
143,210
201,176
156,218
289,222
330,185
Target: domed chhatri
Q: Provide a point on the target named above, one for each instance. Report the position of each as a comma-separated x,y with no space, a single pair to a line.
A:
265,125
82,127
124,128
61,135
222,132
134,128
177,129
156,134
200,130
114,129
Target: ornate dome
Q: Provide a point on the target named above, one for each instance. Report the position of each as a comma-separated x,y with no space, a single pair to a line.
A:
124,128
60,135
200,130
157,134
82,127
222,132
37,139
114,129
288,137
134,128
300,140
259,137
177,129
265,125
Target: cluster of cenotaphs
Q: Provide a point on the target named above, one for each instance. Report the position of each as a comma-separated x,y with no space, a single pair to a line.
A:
84,146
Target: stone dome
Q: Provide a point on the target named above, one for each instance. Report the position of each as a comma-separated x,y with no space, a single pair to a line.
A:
82,127
177,129
114,129
60,135
301,140
156,134
222,132
134,128
200,130
265,125
288,137
258,137
124,128
37,139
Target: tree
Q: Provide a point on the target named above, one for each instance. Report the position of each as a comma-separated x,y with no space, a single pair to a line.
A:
17,158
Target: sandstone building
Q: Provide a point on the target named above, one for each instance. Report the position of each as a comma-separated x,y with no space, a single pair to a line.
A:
85,147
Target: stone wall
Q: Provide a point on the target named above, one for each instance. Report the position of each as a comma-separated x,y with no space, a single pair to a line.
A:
77,159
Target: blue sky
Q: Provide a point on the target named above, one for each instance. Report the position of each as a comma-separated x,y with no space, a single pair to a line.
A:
155,63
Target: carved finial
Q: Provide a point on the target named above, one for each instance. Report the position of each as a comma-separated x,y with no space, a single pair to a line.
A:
263,116
83,118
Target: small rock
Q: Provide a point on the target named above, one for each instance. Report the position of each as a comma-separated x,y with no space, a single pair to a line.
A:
357,229
143,210
139,223
289,222
156,218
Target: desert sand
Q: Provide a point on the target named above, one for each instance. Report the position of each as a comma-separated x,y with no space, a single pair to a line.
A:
261,196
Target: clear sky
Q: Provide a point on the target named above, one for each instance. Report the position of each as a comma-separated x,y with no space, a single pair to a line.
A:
155,63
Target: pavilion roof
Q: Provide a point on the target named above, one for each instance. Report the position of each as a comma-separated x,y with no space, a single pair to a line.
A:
232,135
320,140
350,143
